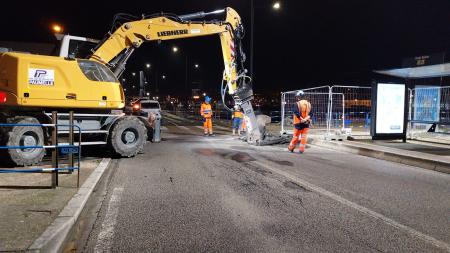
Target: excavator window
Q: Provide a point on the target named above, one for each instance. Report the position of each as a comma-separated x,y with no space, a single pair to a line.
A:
95,71
80,49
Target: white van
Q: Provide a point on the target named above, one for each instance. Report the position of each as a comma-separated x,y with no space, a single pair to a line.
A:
150,106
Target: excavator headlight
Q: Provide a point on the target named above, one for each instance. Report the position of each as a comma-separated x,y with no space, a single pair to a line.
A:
3,96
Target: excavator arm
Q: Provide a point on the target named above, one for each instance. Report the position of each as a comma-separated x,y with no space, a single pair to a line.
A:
119,45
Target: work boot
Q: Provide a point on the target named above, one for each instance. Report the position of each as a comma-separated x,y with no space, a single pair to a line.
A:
211,135
206,134
291,149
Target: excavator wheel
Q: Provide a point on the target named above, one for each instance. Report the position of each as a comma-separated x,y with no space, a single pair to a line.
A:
22,136
128,136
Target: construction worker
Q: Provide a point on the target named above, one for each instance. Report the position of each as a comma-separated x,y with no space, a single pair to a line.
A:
238,118
302,120
206,112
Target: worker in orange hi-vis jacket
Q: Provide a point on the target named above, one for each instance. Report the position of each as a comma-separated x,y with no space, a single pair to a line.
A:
206,112
238,118
302,120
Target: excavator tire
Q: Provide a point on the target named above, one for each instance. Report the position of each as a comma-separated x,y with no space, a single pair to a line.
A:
127,137
22,136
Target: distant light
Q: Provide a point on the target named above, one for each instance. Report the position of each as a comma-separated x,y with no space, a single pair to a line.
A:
174,49
136,106
196,97
148,65
133,74
204,94
276,6
171,102
148,93
125,89
57,28
163,77
134,86
196,66
123,80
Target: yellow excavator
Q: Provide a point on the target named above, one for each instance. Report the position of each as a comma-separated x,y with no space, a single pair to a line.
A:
33,85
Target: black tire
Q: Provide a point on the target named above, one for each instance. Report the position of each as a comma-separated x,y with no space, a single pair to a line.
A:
127,137
22,136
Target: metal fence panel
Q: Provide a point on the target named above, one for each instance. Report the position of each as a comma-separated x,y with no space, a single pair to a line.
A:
333,109
320,105
357,105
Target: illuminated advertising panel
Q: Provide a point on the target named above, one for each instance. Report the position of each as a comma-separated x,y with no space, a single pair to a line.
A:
390,108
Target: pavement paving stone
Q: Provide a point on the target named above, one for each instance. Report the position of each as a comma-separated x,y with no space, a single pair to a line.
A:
28,207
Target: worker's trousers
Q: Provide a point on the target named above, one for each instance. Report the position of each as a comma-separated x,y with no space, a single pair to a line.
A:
207,125
301,135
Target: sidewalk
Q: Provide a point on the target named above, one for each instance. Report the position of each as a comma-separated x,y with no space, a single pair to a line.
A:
28,206
421,154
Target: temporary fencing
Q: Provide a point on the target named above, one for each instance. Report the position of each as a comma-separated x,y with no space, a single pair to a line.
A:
334,109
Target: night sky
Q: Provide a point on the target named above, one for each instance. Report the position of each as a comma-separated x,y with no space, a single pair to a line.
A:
306,43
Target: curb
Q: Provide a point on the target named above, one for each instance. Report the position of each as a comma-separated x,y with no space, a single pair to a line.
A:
408,159
54,237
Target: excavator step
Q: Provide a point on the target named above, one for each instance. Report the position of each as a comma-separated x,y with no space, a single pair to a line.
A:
87,143
75,131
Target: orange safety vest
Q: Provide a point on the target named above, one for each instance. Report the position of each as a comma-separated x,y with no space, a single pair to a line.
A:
206,110
303,110
238,114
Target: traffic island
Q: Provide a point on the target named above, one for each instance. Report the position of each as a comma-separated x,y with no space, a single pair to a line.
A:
28,205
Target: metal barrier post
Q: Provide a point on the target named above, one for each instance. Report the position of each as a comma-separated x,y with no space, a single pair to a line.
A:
55,151
409,130
283,104
157,129
330,111
71,160
343,111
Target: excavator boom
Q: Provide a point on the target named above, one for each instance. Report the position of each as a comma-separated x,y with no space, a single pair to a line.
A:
118,46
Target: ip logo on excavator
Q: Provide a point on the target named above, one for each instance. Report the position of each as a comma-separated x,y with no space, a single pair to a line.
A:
45,77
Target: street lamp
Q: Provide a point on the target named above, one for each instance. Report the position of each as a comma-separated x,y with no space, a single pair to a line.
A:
148,65
276,6
175,49
196,66
57,28
163,77
134,74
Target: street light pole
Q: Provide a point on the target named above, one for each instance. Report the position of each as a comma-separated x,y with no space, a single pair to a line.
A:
252,25
186,75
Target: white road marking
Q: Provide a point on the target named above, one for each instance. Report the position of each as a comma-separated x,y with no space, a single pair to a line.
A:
106,235
435,242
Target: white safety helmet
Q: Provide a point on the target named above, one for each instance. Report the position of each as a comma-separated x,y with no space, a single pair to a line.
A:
237,107
300,93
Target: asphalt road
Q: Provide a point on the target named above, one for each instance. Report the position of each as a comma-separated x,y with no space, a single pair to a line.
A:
191,193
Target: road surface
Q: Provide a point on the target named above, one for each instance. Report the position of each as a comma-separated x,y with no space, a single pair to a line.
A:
191,193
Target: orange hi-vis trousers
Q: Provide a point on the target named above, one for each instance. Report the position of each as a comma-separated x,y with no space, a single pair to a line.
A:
301,135
207,125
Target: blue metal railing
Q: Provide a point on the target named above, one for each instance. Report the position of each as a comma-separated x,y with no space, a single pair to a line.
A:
70,150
